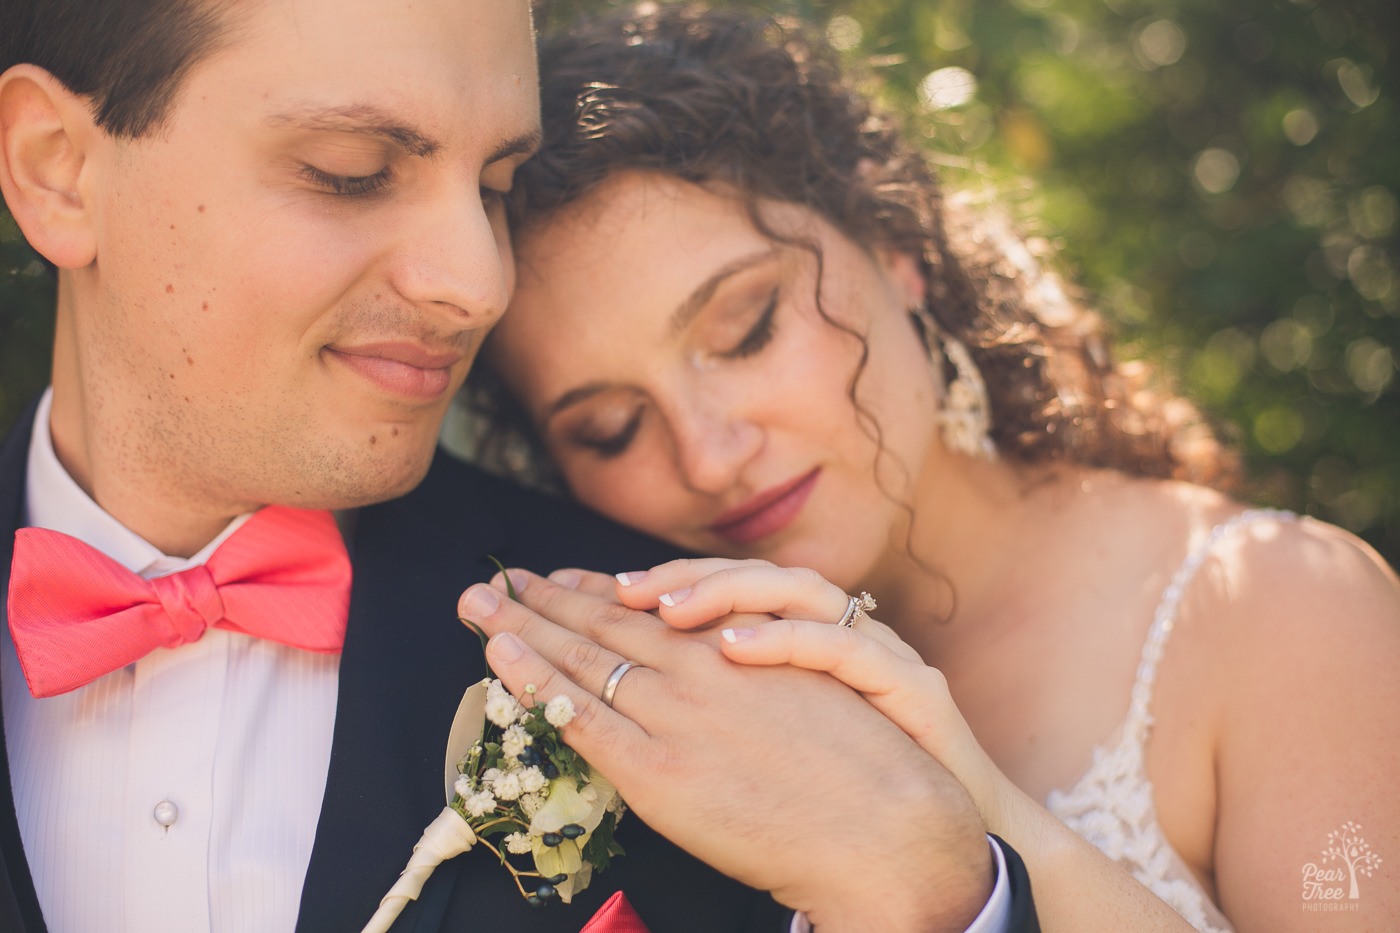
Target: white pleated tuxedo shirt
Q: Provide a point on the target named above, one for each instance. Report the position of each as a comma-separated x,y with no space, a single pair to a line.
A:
233,731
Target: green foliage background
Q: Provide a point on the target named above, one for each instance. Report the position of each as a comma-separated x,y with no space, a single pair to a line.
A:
1222,178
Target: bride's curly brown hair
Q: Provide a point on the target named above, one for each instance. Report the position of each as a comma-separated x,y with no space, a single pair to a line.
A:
759,106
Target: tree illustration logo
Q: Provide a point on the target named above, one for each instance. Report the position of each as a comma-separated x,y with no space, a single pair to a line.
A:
1347,858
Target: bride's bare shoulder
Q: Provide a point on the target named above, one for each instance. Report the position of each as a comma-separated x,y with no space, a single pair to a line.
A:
1265,575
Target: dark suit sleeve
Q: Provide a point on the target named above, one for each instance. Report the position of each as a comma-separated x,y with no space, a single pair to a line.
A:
1023,918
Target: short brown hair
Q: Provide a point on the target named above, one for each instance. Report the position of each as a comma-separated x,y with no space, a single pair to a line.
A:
128,56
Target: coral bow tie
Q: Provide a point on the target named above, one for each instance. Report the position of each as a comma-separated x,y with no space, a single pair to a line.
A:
75,614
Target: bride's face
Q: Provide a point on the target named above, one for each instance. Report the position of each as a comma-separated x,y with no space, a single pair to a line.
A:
676,363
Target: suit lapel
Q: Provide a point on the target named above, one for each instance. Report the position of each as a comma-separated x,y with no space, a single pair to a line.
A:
19,904
405,665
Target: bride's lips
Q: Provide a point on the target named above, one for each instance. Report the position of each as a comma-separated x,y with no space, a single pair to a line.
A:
407,370
770,511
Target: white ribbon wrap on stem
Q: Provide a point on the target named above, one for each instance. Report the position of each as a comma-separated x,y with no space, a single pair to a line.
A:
446,837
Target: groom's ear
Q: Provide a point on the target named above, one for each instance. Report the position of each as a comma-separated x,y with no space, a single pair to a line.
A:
45,134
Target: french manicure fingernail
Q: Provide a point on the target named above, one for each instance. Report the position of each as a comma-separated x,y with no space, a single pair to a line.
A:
566,578
631,577
677,597
506,647
480,602
736,635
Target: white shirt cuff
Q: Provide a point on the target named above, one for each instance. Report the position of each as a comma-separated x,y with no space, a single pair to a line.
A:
995,915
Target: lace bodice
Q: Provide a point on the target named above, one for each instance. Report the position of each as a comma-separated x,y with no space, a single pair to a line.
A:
1111,804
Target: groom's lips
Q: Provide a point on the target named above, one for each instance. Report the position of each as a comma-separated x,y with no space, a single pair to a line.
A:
408,370
767,512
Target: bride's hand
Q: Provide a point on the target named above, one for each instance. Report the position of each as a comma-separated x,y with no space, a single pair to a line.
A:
704,592
869,657
767,616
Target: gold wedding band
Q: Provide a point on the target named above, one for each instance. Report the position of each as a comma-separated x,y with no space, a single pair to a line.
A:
614,679
856,609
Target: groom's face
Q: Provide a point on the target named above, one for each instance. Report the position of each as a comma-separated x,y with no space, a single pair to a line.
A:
295,270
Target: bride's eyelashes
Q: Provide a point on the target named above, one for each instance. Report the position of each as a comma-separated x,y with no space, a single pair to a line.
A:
759,335
607,446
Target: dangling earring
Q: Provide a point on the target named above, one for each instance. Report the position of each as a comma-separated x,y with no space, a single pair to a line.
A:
965,418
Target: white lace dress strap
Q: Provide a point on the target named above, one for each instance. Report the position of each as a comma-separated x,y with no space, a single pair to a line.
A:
1111,805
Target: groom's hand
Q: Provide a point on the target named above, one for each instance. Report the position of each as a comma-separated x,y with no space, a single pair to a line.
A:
783,778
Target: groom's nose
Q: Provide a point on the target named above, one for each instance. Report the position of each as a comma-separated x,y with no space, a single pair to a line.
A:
455,256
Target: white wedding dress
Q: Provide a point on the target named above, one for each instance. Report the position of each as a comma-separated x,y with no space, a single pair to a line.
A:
1111,804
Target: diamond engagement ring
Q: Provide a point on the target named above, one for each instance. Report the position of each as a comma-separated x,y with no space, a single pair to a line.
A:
856,610
614,679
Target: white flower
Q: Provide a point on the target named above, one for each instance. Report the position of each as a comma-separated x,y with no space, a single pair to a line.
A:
514,740
568,804
532,780
517,843
559,711
463,788
479,804
491,776
503,710
507,786
530,804
562,859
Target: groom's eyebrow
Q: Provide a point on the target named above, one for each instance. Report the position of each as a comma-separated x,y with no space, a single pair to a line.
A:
526,144
360,120
685,312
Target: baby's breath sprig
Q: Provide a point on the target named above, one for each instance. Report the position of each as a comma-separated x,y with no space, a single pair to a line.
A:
516,788
522,783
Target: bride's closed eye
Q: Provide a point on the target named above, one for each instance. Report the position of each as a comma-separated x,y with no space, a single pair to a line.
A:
759,335
609,433
607,429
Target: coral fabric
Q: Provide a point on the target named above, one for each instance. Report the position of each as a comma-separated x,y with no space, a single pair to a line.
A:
615,916
75,614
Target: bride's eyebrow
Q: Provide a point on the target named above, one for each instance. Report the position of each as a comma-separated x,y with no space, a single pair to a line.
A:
573,397
685,312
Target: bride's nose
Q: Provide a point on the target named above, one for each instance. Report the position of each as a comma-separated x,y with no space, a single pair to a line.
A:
713,443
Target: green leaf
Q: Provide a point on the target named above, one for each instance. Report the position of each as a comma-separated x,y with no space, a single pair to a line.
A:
510,588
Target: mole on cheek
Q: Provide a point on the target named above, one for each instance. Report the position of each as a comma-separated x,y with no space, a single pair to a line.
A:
170,289
394,431
201,208
373,440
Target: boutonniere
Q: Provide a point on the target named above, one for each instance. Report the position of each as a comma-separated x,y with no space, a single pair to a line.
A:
516,789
